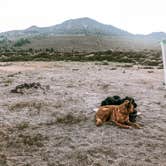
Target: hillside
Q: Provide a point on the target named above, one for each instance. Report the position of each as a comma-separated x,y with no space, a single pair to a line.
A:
84,34
92,43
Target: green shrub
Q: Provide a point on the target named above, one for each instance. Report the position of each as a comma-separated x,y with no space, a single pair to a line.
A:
21,42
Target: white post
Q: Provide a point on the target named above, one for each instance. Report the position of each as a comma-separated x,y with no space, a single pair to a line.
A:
163,47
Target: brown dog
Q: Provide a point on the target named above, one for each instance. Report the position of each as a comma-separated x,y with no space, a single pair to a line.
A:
119,114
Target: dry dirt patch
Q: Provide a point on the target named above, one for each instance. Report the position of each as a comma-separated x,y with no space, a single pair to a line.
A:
57,127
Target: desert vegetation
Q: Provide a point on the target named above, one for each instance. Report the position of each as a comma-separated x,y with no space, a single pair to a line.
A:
146,57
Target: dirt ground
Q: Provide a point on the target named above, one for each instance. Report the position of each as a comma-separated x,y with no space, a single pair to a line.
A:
54,125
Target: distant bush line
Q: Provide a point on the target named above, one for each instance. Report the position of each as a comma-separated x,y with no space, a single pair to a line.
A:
150,58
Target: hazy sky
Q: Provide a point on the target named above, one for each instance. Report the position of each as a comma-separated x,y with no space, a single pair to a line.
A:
135,16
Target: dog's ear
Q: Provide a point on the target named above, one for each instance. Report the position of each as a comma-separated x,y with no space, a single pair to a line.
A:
127,104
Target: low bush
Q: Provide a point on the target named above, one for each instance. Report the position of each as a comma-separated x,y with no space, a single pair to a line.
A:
21,42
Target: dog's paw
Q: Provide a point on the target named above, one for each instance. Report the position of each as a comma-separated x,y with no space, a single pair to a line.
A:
129,127
126,127
137,126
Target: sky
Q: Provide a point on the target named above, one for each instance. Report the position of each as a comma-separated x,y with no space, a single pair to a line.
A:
135,16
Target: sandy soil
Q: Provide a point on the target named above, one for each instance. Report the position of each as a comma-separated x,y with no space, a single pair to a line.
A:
54,126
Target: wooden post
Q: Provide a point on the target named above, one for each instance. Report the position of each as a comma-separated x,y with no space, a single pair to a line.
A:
163,47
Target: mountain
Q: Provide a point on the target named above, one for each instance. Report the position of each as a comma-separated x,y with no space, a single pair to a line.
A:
32,29
87,26
80,26
157,35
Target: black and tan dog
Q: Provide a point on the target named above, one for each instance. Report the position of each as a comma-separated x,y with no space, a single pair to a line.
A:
117,100
119,114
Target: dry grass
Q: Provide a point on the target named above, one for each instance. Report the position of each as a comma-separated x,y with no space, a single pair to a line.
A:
26,141
27,104
22,126
3,160
36,140
7,82
70,118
